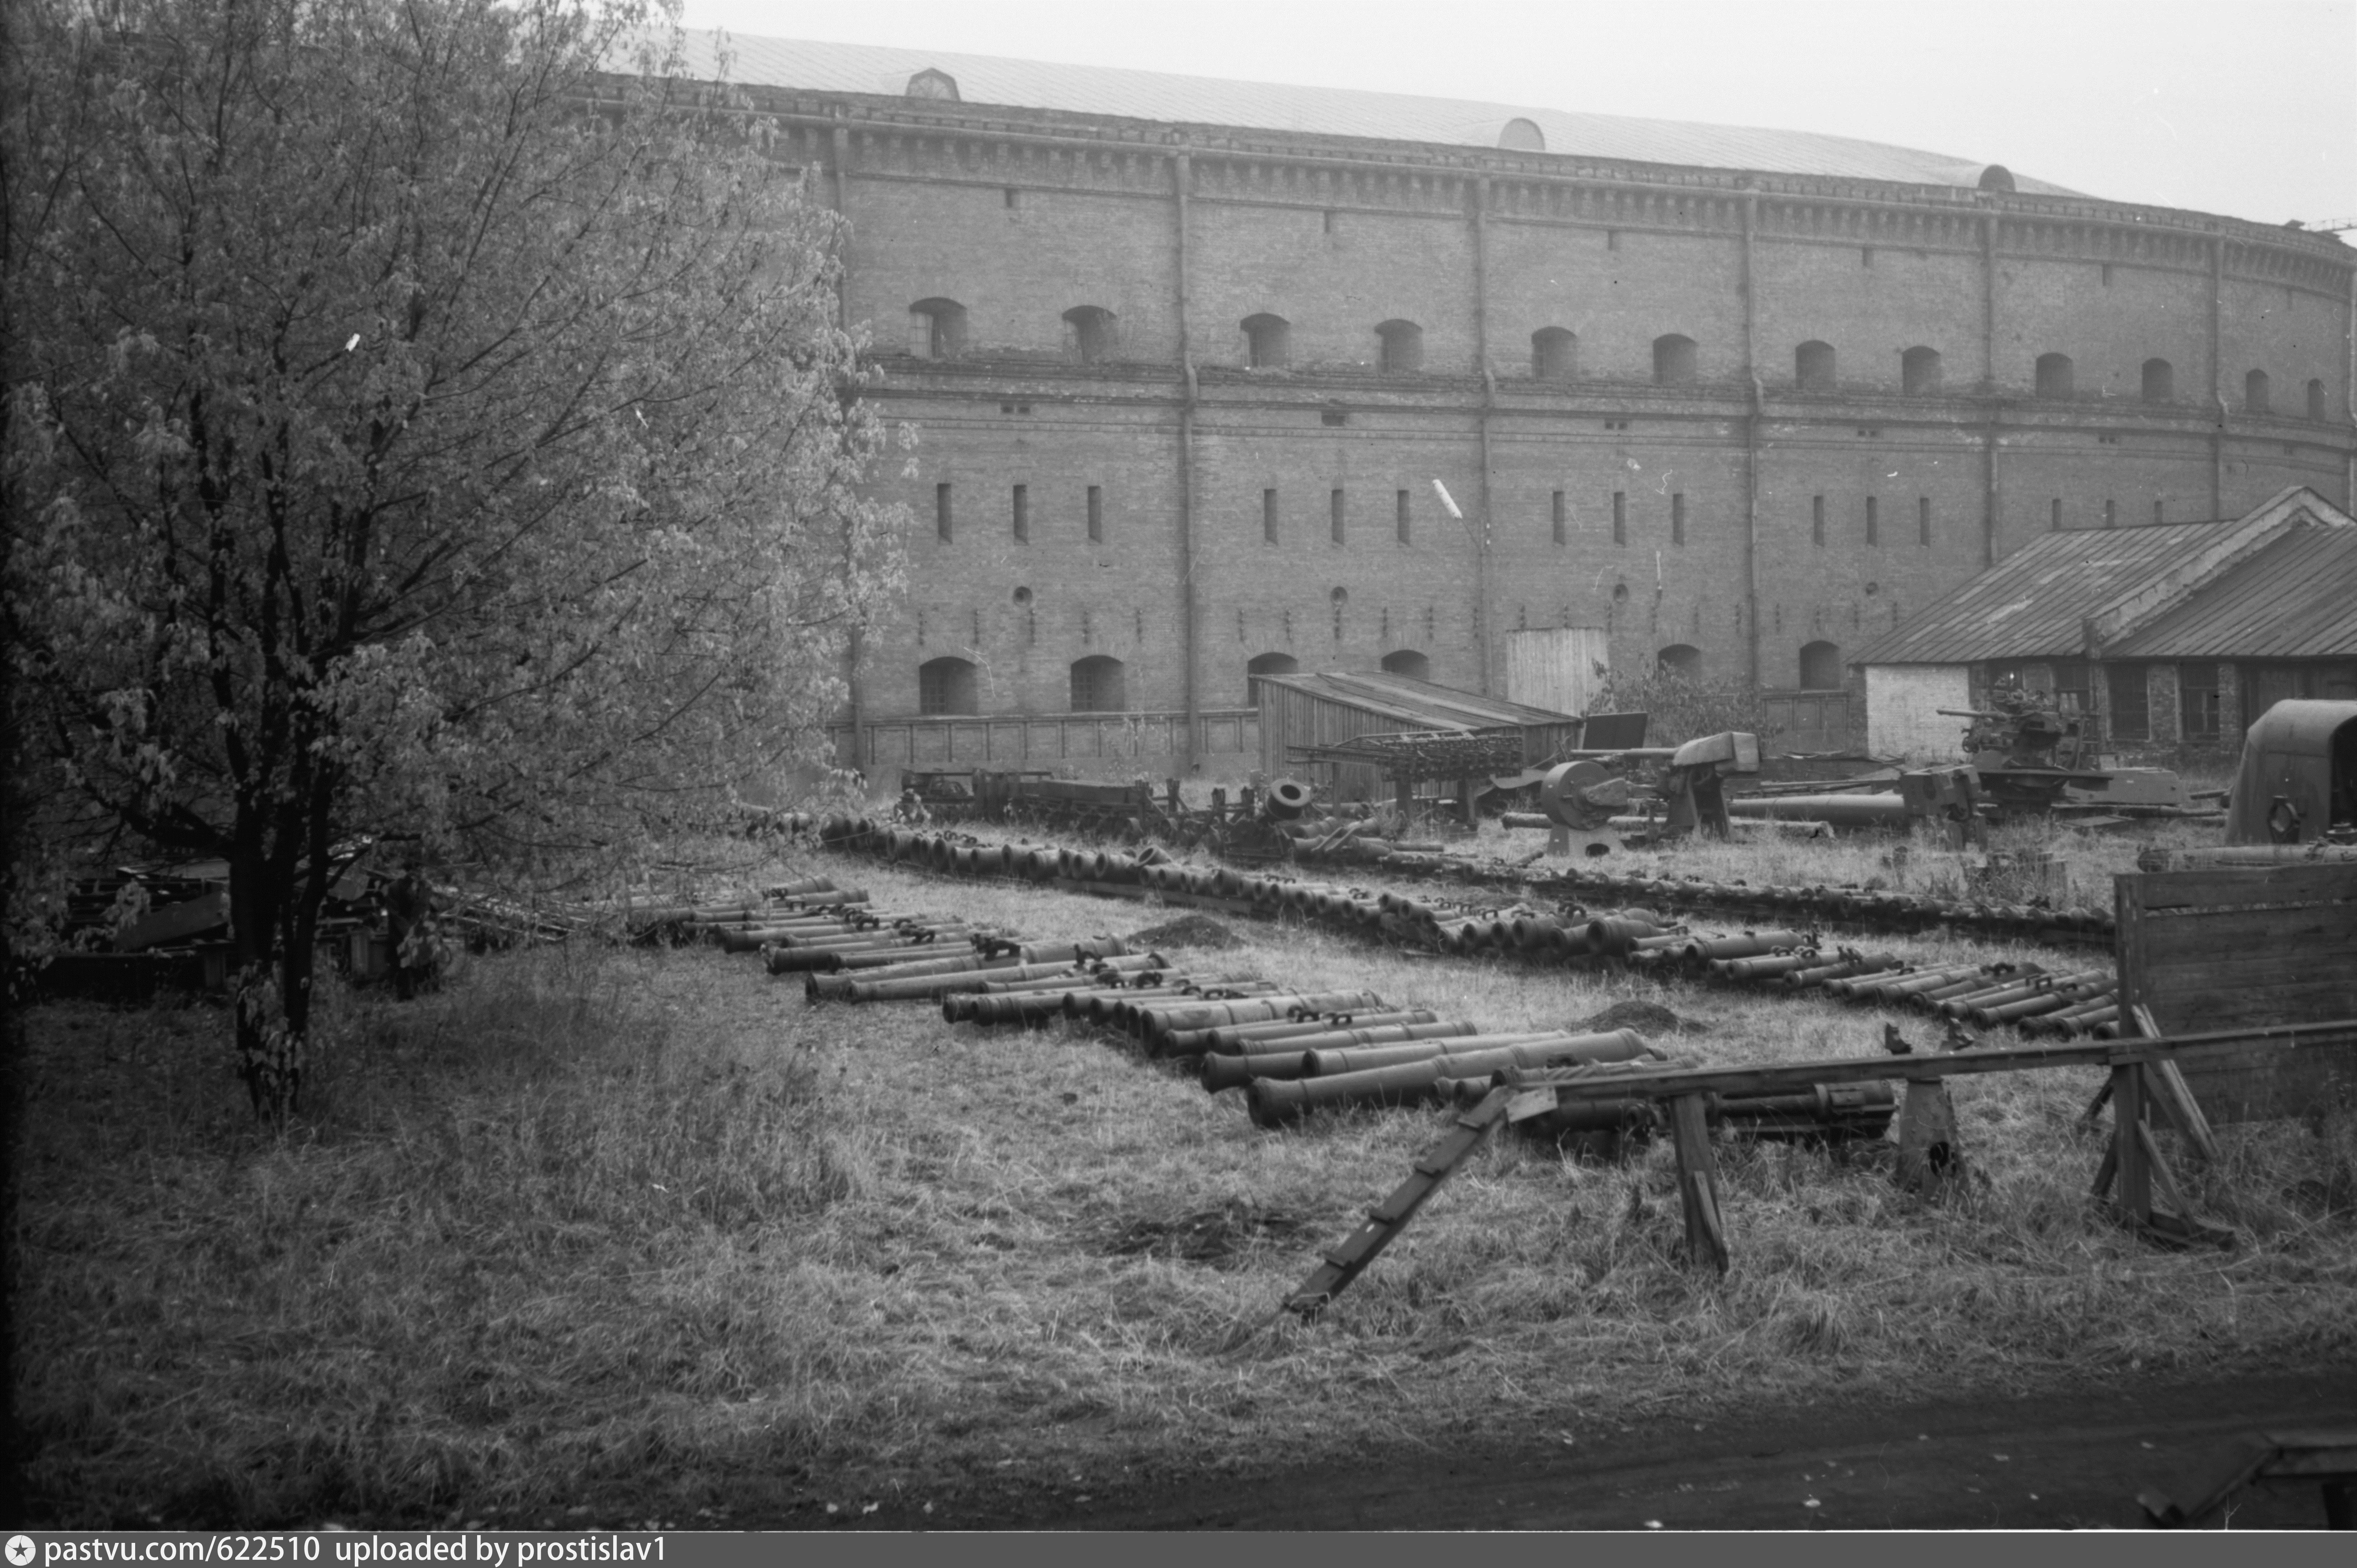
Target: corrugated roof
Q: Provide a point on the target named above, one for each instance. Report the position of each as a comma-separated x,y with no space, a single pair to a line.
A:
2032,604
1325,110
1417,702
2295,599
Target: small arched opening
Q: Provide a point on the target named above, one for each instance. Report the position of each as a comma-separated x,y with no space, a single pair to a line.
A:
1555,354
1407,662
2054,375
2255,398
1265,345
937,329
1402,348
946,685
1521,135
1099,684
1674,359
1821,667
1267,664
1997,178
2159,382
1812,367
1918,371
1681,660
1088,333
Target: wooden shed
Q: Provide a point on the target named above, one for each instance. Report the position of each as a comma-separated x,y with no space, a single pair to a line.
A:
1333,706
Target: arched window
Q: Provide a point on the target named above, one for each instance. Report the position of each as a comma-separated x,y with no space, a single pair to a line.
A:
1522,135
1555,354
2159,382
1918,371
1099,685
1088,333
2254,392
2315,401
1268,664
936,328
1812,367
1674,359
1264,341
1680,659
933,82
2054,375
1821,667
1997,178
1402,348
1407,662
945,685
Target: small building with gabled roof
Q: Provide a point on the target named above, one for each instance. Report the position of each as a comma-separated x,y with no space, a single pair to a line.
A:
2166,635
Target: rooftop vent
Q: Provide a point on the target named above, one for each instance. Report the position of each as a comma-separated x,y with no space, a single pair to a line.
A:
1996,176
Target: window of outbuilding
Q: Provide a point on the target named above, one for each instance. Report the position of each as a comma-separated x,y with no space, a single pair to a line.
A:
1099,684
1821,667
946,685
1407,662
1918,371
1554,353
2197,693
2131,715
2159,382
2054,375
1674,359
1401,347
1265,344
1088,333
1812,367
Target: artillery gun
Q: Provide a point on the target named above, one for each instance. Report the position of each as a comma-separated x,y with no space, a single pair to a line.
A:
2029,757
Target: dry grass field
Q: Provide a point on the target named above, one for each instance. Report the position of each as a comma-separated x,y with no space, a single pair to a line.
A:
621,1235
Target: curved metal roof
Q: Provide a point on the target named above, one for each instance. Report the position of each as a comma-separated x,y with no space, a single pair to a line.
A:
1323,110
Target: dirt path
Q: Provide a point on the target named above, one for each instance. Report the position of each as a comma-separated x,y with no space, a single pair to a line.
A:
2055,1462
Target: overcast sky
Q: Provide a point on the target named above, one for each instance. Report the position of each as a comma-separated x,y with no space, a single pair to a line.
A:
2245,107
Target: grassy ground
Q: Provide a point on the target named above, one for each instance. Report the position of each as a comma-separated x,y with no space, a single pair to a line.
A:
620,1236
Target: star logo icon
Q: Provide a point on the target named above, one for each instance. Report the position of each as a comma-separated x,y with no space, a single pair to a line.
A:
20,1550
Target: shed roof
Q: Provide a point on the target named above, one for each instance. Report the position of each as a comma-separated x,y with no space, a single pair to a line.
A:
1330,111
2296,599
2033,604
2278,582
1418,704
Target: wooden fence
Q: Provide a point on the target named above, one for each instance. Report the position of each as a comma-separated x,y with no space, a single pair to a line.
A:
1097,744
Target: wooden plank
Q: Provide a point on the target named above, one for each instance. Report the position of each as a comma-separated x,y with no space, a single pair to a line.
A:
2127,1118
1663,1083
2242,885
1698,1182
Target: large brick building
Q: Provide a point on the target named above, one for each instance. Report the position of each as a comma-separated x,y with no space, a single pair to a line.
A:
1187,356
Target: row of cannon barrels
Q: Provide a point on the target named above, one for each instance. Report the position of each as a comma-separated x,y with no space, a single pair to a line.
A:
1150,867
709,921
2067,1002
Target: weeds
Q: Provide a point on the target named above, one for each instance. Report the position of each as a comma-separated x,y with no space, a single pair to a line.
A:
643,1233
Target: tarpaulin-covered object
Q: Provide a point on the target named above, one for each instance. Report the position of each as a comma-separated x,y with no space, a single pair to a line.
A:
2299,775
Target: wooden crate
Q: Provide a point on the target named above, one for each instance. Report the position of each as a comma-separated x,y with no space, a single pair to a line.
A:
2226,948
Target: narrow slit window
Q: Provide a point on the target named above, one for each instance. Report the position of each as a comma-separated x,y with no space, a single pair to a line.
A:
2111,514
2156,516
1923,522
1334,503
1022,515
1096,514
2056,524
1399,507
1560,516
1619,517
941,512
1268,516
1678,518
1873,520
1817,521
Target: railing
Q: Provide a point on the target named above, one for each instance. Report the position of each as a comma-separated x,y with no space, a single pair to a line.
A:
1089,742
1810,721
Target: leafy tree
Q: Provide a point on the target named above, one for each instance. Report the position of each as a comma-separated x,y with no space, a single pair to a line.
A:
426,417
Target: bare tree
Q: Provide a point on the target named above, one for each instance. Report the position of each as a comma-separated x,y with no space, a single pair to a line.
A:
424,415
